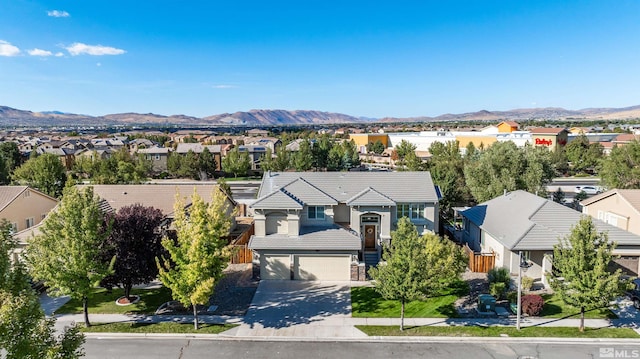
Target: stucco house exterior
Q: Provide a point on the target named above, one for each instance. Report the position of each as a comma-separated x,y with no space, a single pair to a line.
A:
619,208
327,225
24,207
523,222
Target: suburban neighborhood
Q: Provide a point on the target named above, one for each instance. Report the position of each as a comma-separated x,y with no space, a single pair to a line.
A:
341,236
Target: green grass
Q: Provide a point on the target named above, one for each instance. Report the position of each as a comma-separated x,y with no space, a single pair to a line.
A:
165,327
101,302
555,308
367,303
468,331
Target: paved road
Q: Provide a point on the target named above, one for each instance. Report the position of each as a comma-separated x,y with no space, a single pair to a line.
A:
446,349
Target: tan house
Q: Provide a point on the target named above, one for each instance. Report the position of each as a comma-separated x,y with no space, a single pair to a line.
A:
24,207
618,207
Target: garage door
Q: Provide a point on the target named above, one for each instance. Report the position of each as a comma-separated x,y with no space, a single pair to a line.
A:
322,268
275,267
277,223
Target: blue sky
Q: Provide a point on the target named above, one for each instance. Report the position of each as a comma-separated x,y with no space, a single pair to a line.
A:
362,58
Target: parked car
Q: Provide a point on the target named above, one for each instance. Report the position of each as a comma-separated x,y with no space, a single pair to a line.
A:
587,189
634,294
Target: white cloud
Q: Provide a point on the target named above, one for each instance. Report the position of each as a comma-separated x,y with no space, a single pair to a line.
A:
58,13
79,48
59,54
6,49
39,52
224,86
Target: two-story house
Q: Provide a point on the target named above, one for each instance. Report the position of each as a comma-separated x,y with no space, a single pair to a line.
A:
318,225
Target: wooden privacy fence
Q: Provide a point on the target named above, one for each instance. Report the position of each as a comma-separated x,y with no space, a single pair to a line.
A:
479,262
240,253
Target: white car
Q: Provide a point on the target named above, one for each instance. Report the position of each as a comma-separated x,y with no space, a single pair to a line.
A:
587,189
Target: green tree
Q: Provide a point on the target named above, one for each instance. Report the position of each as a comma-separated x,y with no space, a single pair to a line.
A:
10,158
303,159
580,262
282,161
375,147
558,196
45,173
404,148
447,170
25,332
622,168
66,255
199,254
320,152
266,160
206,164
538,171
237,162
415,267
582,154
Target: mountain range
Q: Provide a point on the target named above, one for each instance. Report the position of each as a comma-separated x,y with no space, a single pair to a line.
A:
13,117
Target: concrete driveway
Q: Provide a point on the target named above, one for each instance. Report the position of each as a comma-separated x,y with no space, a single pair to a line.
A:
300,309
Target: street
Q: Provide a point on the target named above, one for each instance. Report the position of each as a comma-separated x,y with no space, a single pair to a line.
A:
162,347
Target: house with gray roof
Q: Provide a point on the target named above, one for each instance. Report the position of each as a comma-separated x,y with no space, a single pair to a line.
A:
321,225
519,221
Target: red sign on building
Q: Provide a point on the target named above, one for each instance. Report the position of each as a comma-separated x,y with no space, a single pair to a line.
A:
543,142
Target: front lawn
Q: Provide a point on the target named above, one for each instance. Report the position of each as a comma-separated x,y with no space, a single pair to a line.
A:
554,307
164,327
367,303
462,331
102,302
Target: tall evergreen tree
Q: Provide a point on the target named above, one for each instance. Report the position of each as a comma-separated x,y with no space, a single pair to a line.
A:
199,255
66,255
303,159
581,275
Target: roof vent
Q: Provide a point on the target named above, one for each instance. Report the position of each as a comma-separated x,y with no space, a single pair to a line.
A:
124,192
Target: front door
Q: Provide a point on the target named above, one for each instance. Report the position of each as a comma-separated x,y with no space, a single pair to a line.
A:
369,237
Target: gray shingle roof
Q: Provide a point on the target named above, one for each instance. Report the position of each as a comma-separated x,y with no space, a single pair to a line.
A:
523,221
370,197
309,193
279,199
400,187
310,238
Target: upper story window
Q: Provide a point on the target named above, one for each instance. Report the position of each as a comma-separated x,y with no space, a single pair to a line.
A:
27,193
410,210
315,212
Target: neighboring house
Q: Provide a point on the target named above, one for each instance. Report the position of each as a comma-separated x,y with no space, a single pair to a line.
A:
320,225
521,221
160,196
218,151
24,207
618,207
255,154
158,157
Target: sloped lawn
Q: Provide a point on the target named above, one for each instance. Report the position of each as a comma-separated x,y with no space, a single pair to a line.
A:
102,302
367,303
554,307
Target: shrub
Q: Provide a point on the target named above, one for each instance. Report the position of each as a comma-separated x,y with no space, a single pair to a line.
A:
497,289
512,296
532,304
527,283
499,275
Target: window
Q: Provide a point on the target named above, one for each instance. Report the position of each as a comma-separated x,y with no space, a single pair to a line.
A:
29,222
14,227
27,193
410,210
316,212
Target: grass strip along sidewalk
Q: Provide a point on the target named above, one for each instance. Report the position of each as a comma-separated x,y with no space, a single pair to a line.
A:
164,327
498,331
